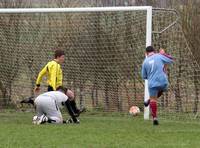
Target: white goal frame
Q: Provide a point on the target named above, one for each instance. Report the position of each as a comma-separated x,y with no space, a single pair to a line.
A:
148,9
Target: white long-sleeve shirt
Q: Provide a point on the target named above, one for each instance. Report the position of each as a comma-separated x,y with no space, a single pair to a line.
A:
58,96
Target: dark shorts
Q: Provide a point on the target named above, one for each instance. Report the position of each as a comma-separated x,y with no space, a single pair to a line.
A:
50,88
157,91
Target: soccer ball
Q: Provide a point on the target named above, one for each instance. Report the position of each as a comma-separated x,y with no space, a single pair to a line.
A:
134,110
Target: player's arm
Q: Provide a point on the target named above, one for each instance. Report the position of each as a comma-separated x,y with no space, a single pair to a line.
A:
166,58
40,76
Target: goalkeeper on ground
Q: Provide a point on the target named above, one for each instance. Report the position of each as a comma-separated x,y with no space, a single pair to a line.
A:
48,107
153,69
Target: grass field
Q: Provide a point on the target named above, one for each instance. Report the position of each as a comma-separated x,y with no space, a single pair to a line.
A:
97,131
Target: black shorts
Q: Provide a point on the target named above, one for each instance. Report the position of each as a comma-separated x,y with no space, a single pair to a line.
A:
50,88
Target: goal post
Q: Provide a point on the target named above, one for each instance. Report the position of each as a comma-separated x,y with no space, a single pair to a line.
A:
148,43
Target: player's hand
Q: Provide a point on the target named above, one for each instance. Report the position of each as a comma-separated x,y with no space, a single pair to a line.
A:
37,89
162,51
70,94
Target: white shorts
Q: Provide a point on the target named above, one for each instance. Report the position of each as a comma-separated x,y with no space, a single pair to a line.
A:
48,106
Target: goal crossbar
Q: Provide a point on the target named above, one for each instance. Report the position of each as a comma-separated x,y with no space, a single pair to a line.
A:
82,9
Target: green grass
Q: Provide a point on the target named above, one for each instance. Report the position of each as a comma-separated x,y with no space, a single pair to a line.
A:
97,131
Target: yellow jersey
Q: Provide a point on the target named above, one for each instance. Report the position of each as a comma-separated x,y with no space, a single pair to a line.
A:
54,75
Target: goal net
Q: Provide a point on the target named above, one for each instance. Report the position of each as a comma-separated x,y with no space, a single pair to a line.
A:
104,51
182,98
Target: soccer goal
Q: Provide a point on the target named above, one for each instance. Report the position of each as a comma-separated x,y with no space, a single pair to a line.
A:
104,50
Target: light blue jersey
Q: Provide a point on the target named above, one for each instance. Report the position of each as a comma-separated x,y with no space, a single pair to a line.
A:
153,70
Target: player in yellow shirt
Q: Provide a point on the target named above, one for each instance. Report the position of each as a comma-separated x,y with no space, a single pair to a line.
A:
53,72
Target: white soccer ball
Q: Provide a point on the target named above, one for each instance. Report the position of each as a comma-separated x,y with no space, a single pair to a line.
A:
134,110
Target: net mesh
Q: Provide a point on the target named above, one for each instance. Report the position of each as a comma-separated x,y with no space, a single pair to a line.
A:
104,52
182,98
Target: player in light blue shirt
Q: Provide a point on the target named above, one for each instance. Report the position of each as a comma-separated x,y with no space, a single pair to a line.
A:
154,70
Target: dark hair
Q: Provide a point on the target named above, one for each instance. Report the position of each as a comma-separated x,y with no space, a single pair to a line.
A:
150,49
59,53
63,89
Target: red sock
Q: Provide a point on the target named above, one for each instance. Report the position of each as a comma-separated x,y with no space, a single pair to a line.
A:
153,108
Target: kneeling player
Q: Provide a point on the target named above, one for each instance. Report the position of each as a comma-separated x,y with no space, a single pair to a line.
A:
48,107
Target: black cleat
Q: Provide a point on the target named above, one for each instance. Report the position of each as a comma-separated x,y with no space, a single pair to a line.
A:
42,119
71,121
155,122
79,111
82,110
146,103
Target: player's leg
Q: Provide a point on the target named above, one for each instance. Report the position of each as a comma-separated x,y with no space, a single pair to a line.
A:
161,90
153,93
55,120
146,103
52,112
71,111
160,93
38,118
47,111
45,108
153,108
54,115
75,108
45,118
28,100
72,102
